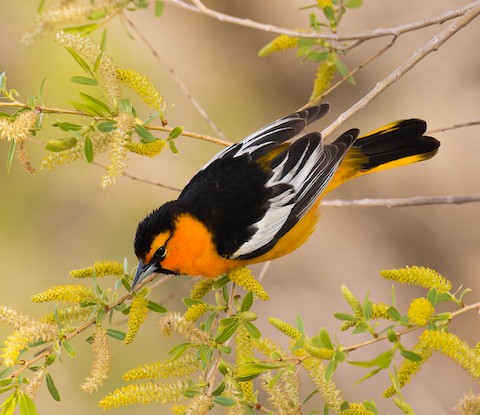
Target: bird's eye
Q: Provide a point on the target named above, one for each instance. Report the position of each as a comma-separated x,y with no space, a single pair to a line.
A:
160,253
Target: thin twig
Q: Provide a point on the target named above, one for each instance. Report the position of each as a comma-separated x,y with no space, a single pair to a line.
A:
432,45
453,127
350,74
199,7
404,202
177,79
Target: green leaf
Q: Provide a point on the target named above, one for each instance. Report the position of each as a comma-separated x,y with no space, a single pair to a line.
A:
157,308
85,29
179,350
252,370
116,334
368,375
51,358
83,64
224,401
325,338
126,105
159,8
89,153
394,313
367,308
300,325
252,330
103,40
392,336
68,126
227,332
409,355
105,126
329,14
82,80
382,361
79,106
432,296
173,147
220,389
361,327
175,132
11,154
332,366
220,283
8,407
69,348
27,406
52,388
343,70
224,349
95,104
316,56
97,62
247,302
98,14
60,144
345,317
370,406
354,4
145,135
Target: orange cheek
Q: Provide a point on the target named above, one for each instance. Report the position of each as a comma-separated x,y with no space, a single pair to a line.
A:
160,240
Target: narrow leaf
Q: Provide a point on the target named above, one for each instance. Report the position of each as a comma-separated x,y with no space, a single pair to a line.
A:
52,388
247,302
27,406
116,334
159,8
69,348
11,154
89,153
84,65
224,401
157,308
145,135
82,80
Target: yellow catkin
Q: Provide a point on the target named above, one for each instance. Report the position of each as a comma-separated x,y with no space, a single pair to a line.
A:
35,382
99,269
244,355
244,277
119,138
22,337
144,393
469,404
200,405
421,276
319,352
195,311
13,318
327,388
201,288
404,407
324,3
136,317
179,409
457,350
101,363
408,368
68,14
180,367
175,323
356,409
282,42
352,302
269,348
285,328
65,293
283,392
379,311
323,79
147,149
69,315
420,311
143,87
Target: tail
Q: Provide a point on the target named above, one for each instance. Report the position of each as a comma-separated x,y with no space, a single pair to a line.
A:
396,144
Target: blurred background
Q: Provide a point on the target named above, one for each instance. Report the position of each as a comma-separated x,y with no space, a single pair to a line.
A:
53,222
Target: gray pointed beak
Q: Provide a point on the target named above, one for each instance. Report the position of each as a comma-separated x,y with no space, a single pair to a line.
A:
143,271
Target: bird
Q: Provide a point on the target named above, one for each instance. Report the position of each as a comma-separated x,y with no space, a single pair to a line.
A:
258,199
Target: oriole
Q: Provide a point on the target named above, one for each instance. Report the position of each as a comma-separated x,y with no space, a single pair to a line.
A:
257,200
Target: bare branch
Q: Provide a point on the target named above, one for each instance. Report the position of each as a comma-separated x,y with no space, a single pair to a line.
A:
177,80
404,202
453,127
199,7
432,45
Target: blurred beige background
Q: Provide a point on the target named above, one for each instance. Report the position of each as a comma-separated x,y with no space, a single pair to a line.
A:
56,221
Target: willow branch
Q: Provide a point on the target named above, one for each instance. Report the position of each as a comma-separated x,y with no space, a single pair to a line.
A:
404,202
199,7
453,127
80,329
432,45
475,306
